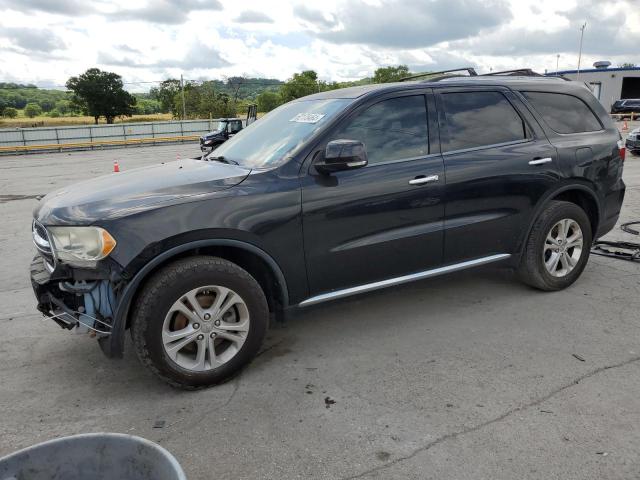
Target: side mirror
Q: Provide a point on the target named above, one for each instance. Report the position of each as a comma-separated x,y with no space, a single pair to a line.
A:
343,155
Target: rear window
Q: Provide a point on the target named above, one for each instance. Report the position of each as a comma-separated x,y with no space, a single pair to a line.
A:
477,119
564,113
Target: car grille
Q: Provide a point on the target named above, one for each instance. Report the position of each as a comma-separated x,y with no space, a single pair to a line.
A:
43,244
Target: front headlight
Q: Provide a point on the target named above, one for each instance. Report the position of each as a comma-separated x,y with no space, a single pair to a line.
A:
81,246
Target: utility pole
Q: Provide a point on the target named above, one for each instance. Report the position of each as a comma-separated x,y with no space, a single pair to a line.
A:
584,25
557,63
184,108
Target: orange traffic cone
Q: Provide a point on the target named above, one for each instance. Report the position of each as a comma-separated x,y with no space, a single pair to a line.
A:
116,167
625,127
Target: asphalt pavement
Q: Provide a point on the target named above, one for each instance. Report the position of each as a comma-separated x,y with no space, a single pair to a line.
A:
468,376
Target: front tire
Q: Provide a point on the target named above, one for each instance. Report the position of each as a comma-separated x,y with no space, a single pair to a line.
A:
558,247
199,321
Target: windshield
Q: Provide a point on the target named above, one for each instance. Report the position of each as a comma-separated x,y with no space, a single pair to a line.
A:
275,136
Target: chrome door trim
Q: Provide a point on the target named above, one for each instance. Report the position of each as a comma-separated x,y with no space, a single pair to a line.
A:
368,287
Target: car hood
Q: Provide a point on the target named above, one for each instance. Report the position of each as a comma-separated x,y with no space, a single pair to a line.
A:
124,193
215,133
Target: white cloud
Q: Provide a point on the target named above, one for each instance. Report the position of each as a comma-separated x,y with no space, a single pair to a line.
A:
146,40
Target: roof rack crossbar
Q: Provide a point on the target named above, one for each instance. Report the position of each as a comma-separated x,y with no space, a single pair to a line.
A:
472,73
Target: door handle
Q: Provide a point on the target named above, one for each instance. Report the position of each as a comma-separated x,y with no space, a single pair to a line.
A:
423,180
540,161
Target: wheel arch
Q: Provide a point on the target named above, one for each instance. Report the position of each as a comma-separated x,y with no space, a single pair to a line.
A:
581,194
248,256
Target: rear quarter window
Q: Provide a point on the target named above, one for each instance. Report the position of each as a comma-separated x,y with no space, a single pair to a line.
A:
564,113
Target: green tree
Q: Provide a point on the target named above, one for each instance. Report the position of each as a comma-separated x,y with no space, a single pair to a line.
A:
54,113
267,101
46,104
63,107
10,112
390,74
204,100
166,94
147,106
101,94
15,99
32,110
300,85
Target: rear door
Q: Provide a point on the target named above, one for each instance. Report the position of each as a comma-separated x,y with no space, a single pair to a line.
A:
586,142
498,164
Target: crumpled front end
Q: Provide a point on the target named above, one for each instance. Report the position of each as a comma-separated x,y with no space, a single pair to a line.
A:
82,300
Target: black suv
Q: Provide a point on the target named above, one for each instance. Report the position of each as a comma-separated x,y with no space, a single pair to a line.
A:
225,129
630,105
331,195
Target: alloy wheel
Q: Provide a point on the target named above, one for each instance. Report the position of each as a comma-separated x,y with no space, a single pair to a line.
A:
205,328
563,247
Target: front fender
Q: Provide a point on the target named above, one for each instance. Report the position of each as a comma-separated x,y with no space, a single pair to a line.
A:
113,345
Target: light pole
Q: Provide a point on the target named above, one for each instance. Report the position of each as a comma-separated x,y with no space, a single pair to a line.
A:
184,108
557,63
584,25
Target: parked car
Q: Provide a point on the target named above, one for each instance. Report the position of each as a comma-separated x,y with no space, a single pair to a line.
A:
224,130
630,105
331,195
633,141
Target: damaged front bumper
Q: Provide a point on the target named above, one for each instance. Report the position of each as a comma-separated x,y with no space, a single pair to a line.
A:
81,300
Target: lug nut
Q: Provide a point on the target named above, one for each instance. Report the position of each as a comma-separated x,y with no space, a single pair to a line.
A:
196,325
217,323
207,316
213,335
200,337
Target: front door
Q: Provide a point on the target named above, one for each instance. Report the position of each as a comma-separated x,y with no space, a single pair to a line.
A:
383,220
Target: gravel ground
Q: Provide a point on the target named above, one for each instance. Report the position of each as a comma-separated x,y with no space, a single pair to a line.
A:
469,376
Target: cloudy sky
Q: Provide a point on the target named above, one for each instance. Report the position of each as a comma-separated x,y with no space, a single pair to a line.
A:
46,41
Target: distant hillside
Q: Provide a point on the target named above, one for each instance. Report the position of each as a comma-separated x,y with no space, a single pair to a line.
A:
19,95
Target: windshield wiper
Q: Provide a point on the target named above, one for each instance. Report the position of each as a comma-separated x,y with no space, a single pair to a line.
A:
223,160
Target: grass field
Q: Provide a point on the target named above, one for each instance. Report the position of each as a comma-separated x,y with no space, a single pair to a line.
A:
44,121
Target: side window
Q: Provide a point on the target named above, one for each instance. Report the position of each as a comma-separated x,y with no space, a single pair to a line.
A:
234,127
563,113
476,119
390,130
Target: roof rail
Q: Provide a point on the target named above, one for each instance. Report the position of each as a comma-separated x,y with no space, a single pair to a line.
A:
472,73
522,72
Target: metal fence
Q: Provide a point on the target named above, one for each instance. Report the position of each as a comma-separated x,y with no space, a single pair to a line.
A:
26,140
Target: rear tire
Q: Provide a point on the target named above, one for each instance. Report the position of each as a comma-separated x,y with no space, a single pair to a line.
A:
199,321
558,247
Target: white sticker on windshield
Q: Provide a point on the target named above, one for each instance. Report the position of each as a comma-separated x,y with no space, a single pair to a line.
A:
307,117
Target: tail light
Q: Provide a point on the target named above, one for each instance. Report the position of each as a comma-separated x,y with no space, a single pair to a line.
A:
622,149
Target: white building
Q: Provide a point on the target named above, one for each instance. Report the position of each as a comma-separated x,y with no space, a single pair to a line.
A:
607,84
